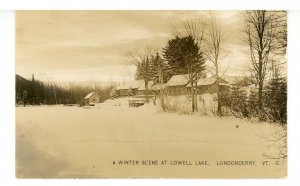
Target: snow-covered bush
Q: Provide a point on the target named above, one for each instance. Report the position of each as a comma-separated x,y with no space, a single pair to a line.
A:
178,104
235,101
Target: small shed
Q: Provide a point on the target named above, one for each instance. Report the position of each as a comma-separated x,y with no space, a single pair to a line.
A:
92,97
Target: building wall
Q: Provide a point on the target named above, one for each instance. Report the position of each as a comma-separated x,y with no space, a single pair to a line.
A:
177,90
135,91
123,92
205,89
94,98
143,92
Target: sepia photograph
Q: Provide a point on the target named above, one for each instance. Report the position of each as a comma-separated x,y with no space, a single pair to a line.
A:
151,94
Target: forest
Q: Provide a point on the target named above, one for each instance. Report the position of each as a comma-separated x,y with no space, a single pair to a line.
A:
35,92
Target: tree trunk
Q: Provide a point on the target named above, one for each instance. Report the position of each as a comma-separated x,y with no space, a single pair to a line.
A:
260,95
161,92
219,109
260,82
147,93
196,98
193,97
219,100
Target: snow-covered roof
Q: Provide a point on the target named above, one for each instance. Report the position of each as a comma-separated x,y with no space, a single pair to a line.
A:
177,80
89,95
209,81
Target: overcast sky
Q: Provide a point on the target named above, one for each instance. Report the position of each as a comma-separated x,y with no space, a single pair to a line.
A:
93,45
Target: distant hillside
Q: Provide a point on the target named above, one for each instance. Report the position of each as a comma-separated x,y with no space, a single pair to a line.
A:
35,92
20,79
21,83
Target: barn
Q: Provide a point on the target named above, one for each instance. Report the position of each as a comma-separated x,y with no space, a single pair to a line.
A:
177,85
127,88
122,90
92,97
158,87
209,85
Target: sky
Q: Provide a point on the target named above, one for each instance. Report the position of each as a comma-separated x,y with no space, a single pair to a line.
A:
94,45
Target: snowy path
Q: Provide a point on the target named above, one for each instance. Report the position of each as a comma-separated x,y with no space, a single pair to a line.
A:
79,142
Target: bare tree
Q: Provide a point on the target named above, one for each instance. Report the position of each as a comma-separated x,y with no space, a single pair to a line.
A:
190,27
277,141
214,41
160,68
261,35
141,59
280,21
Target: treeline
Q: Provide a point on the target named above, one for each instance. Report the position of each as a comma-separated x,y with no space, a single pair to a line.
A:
36,92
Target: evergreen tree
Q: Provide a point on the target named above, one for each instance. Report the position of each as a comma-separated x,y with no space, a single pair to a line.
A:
275,101
159,69
184,57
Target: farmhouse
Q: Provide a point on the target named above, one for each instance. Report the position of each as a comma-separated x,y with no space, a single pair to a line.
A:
177,85
126,88
209,85
122,90
92,97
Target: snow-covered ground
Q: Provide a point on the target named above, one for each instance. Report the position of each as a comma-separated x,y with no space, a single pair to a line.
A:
61,142
207,104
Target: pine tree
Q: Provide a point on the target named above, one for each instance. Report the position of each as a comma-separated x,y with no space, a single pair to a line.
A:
185,57
275,102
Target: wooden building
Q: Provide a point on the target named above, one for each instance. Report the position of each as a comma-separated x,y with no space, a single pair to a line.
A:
158,87
133,88
177,85
209,85
91,98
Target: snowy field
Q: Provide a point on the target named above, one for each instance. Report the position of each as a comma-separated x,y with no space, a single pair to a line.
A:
71,142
